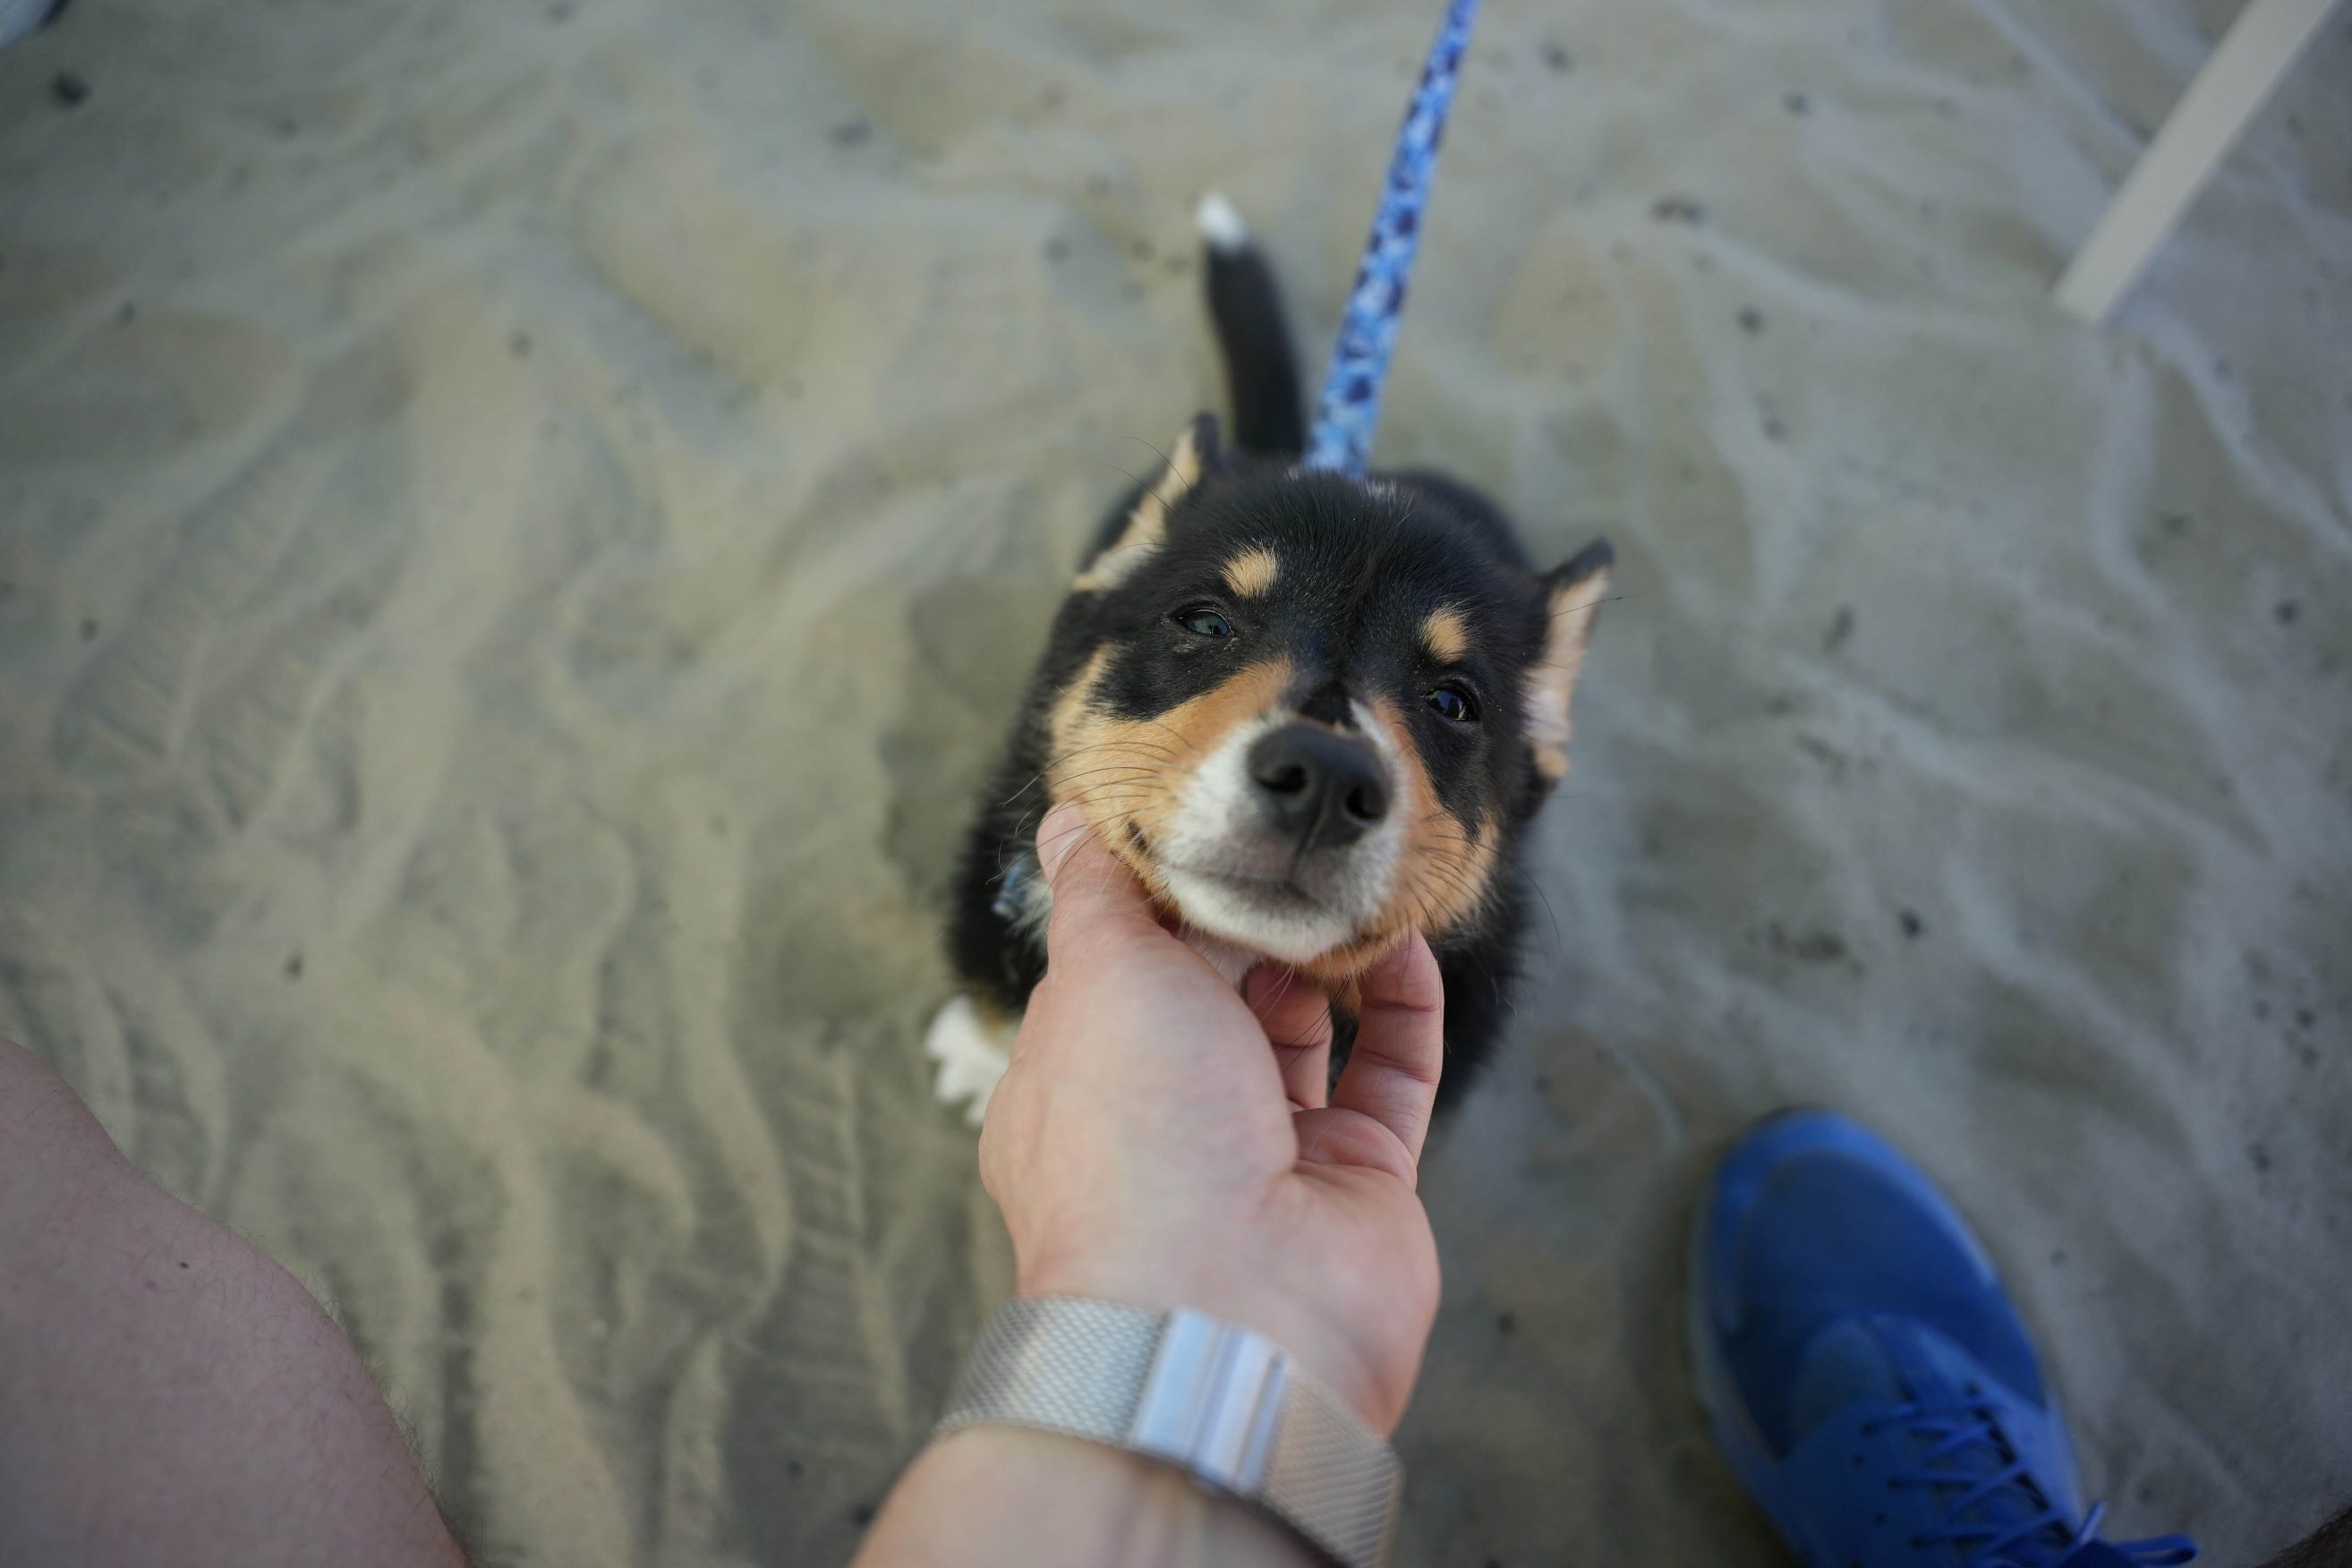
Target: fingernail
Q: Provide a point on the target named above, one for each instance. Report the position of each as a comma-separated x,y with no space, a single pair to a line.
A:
1058,838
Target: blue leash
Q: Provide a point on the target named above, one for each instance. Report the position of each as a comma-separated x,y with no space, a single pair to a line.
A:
1350,407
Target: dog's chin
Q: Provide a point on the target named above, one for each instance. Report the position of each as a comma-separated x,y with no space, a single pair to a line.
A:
1269,919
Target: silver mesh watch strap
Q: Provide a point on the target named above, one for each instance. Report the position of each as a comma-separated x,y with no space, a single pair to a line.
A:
1213,1400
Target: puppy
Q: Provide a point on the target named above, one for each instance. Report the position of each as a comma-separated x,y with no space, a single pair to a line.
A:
1313,714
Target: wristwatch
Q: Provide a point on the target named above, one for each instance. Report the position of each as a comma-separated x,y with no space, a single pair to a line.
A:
1218,1402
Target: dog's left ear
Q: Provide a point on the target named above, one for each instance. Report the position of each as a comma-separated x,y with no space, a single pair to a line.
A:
1194,454
1571,602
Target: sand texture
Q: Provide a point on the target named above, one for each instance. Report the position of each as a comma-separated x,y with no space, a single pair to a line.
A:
522,524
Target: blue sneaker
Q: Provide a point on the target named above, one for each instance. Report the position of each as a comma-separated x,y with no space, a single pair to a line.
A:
20,18
1865,1374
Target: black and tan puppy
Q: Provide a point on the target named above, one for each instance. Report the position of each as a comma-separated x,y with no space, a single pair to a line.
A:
1313,714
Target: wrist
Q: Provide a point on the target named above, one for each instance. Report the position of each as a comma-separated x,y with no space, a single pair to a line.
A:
975,1497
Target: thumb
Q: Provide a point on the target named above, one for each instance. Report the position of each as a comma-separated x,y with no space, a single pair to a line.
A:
1096,899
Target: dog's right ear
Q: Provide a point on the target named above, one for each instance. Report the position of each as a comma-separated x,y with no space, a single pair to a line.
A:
1571,600
1194,454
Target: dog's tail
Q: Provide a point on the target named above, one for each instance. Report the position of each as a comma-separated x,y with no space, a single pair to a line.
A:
1261,375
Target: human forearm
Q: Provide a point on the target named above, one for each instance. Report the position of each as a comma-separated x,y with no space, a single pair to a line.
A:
990,1496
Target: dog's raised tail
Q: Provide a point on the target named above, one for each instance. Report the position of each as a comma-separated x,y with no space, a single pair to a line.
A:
1261,374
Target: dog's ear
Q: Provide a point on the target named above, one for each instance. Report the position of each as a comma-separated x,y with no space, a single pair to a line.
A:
1194,454
1572,599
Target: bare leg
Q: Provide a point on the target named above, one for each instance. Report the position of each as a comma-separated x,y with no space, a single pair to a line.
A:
168,1394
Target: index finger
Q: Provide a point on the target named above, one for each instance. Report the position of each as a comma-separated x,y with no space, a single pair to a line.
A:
1392,1075
1096,897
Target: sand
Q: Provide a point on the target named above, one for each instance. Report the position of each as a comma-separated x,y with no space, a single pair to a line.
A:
521,527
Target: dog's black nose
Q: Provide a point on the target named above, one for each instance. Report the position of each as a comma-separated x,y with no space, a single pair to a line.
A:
1319,786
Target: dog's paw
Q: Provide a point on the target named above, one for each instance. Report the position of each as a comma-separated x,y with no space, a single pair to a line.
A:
970,1053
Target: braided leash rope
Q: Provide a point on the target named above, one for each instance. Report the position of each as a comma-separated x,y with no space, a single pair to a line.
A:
1349,407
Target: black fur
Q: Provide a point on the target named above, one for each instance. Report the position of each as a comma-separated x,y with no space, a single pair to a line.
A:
1261,375
1361,569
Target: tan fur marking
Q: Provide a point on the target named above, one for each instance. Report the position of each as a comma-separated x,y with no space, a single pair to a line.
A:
1440,879
1551,684
1251,573
1446,634
1131,772
1147,525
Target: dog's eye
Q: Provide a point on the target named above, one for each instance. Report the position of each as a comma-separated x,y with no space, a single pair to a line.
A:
1203,622
1453,704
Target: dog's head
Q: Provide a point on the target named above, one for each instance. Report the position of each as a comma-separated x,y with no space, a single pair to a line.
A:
1312,712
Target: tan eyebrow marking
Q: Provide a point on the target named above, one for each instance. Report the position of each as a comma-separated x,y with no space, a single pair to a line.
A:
1446,634
1252,572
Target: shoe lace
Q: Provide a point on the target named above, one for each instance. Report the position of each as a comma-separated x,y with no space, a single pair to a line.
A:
1965,1453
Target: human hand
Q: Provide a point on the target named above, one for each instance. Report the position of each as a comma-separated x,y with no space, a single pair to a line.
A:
1162,1142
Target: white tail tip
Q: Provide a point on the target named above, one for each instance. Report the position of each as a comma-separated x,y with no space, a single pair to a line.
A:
1220,223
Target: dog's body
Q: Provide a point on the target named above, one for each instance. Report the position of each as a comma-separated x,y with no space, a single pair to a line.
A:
1312,713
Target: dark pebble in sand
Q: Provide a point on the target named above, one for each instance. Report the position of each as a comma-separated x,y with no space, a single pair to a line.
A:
1056,248
1913,926
518,345
1556,59
850,134
2285,611
2259,1155
1841,629
861,1515
1774,430
1678,209
1507,1323
294,967
1797,103
68,89
1806,947
560,12
1751,319
89,631
2305,1017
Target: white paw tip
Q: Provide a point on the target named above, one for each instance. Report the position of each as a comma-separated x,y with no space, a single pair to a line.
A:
1220,223
969,1056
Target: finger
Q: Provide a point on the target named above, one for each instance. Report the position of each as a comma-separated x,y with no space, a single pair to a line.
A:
1333,1136
1096,899
1296,1018
1391,1074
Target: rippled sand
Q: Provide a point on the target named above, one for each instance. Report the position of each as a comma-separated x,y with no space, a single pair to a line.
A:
521,527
